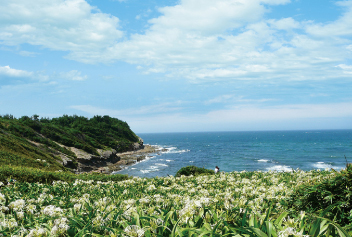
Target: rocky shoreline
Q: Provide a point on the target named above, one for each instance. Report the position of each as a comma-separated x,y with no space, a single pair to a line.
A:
110,161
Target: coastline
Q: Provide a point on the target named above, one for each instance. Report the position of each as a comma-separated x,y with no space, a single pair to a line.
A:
127,159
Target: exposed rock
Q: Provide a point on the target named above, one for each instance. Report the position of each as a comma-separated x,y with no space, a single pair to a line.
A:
107,154
70,164
87,163
137,145
107,161
66,160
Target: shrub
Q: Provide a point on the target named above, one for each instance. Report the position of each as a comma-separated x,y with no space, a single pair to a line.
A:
193,170
334,194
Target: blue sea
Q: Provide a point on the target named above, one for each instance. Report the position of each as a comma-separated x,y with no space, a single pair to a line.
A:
249,151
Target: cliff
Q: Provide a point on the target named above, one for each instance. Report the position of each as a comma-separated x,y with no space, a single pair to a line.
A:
72,143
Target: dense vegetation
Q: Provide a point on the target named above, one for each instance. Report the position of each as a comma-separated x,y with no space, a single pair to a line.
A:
193,170
257,203
11,174
334,194
34,142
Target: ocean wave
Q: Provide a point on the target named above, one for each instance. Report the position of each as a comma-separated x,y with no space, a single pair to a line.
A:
173,150
160,164
168,150
263,160
284,168
326,166
152,168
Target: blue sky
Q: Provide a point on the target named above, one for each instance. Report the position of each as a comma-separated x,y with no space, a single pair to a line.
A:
178,66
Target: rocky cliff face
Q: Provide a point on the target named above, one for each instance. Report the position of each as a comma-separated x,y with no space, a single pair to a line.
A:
92,162
108,158
137,145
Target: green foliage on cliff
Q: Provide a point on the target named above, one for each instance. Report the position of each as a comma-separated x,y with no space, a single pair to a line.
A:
37,143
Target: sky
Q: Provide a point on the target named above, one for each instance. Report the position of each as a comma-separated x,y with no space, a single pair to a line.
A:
180,65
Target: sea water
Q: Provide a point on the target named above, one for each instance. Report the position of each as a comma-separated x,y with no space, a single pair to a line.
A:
245,151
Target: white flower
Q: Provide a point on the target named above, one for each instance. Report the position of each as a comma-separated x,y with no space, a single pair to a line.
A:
144,200
2,197
37,232
77,207
151,187
134,231
11,223
290,232
3,209
31,208
98,221
60,226
17,205
20,215
52,211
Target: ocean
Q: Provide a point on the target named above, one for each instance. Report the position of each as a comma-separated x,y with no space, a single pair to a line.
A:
245,151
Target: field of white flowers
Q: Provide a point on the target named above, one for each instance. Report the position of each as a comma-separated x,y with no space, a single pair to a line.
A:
226,204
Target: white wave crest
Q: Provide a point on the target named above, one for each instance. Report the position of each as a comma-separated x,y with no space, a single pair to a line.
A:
173,150
160,164
280,168
325,166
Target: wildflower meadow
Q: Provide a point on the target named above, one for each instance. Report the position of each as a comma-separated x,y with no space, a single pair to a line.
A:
225,204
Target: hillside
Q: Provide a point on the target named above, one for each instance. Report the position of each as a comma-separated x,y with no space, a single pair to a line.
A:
53,144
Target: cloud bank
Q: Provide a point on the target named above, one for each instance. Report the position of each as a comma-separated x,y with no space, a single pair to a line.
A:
221,40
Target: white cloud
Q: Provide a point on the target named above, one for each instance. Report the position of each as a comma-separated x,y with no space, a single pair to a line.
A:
8,72
215,40
229,98
294,116
210,17
242,117
68,25
220,99
340,27
17,77
286,117
73,75
232,40
27,53
285,24
282,112
346,68
11,72
164,108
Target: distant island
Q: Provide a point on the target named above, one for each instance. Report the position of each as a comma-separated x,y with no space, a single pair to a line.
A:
69,143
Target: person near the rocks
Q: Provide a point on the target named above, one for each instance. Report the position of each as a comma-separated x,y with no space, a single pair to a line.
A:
217,169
